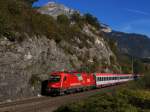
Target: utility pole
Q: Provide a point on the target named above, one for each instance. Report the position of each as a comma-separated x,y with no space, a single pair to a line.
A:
132,65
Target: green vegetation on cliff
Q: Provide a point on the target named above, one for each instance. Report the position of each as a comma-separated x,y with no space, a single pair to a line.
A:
18,16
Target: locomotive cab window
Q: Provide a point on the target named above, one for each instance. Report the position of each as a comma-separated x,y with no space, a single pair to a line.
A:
54,78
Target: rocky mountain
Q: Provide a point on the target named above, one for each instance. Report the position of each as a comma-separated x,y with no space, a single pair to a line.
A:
24,65
54,9
133,44
37,44
105,28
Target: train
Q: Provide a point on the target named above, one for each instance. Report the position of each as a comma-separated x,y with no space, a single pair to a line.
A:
69,82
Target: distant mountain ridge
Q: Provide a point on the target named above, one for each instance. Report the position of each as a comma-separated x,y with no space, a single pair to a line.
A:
133,44
129,43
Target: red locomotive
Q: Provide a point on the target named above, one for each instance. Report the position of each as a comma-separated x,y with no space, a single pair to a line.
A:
68,82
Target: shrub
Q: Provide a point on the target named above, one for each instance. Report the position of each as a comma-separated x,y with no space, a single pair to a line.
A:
138,67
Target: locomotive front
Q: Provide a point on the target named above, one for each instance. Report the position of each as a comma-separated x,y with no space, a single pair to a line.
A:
54,83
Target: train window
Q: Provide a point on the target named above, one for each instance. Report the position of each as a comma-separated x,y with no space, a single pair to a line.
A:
99,78
111,78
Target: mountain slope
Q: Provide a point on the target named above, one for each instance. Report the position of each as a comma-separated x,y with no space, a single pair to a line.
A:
32,45
133,44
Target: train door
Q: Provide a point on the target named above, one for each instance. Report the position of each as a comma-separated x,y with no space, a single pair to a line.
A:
66,82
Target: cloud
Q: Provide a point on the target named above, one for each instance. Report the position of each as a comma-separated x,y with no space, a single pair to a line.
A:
138,11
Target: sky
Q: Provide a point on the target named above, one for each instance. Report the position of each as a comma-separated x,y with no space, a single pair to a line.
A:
131,16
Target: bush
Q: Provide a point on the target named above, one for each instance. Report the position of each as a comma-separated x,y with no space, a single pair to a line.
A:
63,19
121,101
2,25
138,67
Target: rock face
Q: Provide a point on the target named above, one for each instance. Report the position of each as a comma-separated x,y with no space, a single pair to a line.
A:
54,9
23,65
26,63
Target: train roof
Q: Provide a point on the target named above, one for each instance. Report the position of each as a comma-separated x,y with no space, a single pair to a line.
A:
111,74
97,74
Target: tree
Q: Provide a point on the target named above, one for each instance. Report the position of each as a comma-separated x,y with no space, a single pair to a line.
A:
30,2
76,17
92,20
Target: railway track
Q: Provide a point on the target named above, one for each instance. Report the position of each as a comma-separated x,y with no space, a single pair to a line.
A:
49,104
25,101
